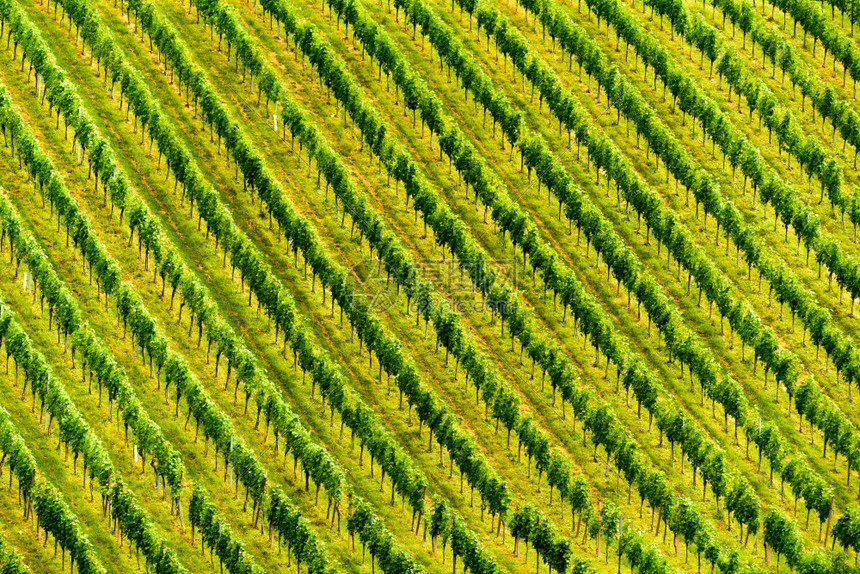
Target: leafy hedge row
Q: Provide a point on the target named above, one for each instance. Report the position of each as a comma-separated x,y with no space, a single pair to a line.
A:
216,533
10,560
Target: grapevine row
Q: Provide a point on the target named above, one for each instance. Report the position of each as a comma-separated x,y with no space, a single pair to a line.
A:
10,560
216,532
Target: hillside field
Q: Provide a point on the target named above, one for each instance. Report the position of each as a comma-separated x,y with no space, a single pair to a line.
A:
419,286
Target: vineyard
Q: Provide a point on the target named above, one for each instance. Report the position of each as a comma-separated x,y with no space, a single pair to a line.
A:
419,286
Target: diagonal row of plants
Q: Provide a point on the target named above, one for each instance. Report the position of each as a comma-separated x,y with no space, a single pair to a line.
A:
10,560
